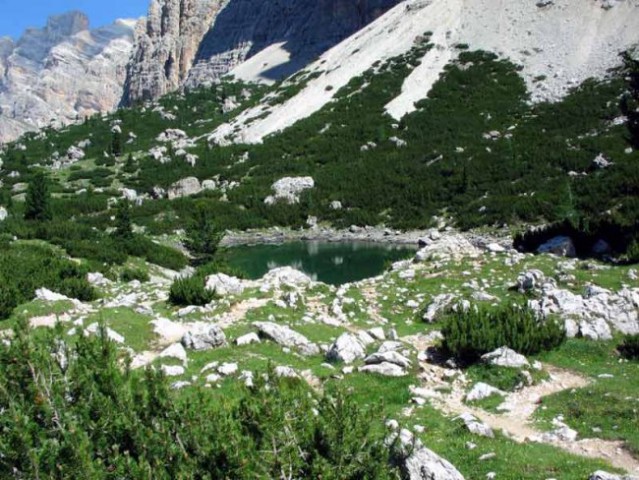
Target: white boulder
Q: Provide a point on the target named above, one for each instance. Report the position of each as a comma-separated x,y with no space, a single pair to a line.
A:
287,337
224,285
206,337
288,189
347,348
561,246
184,188
505,357
481,391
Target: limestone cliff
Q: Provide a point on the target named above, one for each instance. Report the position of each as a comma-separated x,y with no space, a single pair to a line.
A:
193,42
167,46
61,72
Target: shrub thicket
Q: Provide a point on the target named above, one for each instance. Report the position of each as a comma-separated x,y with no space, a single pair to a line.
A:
629,347
469,335
130,274
190,291
76,413
25,267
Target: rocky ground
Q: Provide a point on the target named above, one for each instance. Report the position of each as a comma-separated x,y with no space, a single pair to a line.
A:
379,337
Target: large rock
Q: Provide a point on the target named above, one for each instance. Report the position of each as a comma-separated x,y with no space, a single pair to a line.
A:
3,214
289,189
530,280
595,314
475,426
224,285
184,188
417,462
481,390
393,357
63,71
437,306
601,475
447,247
562,246
385,369
505,357
347,348
287,337
205,338
284,277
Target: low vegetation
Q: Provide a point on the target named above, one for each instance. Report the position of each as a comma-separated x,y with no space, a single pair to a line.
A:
470,334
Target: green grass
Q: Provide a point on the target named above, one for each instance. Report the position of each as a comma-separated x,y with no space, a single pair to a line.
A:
135,328
608,404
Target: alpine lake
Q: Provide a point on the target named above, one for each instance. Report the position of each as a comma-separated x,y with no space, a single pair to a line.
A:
334,263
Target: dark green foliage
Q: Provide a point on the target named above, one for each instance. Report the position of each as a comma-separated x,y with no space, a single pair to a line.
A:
585,233
152,252
38,201
9,298
123,229
190,291
630,101
469,335
24,268
202,235
629,347
116,144
73,411
131,274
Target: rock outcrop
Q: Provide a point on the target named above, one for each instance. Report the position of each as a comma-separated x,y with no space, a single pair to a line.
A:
167,45
194,42
62,72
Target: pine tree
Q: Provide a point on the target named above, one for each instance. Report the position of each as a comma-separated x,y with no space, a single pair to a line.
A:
202,236
116,144
38,200
123,229
630,101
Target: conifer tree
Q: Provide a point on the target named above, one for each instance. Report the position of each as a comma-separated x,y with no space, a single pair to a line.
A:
123,229
38,200
202,236
630,101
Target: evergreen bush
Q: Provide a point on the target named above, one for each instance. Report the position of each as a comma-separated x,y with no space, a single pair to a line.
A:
469,335
190,291
629,347
76,412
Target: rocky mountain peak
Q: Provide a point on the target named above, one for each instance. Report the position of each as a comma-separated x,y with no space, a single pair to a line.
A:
66,24
61,72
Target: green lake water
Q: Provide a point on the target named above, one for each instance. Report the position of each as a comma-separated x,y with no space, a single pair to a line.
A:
333,263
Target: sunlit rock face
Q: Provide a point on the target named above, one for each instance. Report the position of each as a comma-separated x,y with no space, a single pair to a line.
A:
193,42
62,72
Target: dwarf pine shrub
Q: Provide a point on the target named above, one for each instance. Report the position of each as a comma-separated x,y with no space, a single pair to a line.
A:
190,291
469,335
629,347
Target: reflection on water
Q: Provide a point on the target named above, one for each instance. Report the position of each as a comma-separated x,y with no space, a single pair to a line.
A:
334,263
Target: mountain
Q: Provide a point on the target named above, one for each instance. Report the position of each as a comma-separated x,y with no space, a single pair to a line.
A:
558,44
193,42
63,71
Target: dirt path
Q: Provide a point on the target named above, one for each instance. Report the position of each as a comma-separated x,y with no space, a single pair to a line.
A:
517,422
239,310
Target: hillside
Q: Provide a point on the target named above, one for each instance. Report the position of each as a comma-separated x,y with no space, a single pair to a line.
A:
467,175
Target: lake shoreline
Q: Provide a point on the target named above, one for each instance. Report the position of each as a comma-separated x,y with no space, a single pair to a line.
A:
323,234
380,235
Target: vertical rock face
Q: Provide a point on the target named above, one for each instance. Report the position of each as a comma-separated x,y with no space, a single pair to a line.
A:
61,72
304,29
193,42
167,46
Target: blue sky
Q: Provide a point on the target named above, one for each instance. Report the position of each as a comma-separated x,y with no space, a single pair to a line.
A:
16,15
